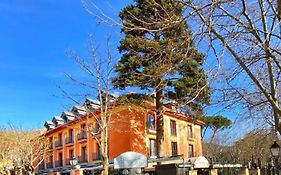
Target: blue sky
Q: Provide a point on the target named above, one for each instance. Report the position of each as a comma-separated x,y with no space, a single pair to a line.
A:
34,37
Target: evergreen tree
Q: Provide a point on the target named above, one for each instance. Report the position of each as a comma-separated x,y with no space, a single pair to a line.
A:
160,57
216,123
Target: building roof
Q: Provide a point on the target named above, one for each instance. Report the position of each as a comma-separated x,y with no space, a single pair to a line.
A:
77,107
89,100
58,120
49,125
79,110
91,106
68,116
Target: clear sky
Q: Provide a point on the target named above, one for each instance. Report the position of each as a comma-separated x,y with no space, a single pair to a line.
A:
34,37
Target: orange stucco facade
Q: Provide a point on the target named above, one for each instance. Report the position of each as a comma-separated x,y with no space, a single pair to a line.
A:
129,129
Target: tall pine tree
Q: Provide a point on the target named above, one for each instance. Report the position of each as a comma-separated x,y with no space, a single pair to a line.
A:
160,57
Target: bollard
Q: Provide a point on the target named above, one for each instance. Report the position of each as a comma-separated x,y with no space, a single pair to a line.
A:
192,172
258,171
245,171
255,171
213,172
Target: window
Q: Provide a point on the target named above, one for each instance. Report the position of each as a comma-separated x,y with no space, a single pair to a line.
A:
71,135
51,142
71,153
83,128
189,131
84,151
60,156
151,122
60,137
190,150
50,163
83,133
83,156
173,127
70,138
152,147
59,162
174,148
58,142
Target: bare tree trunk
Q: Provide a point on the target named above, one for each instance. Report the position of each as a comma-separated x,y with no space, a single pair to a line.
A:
104,149
99,71
279,10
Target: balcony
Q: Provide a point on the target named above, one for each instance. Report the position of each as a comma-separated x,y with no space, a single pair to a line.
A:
58,143
58,163
82,136
49,165
96,156
69,141
82,159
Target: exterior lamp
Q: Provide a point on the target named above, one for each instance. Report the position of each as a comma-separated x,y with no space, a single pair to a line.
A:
73,161
125,172
275,151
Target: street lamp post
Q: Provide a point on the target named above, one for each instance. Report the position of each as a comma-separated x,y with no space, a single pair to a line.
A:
73,162
275,151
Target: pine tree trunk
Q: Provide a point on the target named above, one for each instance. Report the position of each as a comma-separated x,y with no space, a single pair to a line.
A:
213,135
159,121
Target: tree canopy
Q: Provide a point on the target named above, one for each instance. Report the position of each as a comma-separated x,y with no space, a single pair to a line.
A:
216,123
161,58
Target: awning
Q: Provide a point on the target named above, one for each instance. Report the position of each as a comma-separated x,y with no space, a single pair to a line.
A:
199,162
130,159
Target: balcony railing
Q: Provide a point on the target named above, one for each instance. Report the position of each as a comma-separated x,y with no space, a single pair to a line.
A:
82,135
82,159
49,165
42,166
58,143
96,156
58,163
69,140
